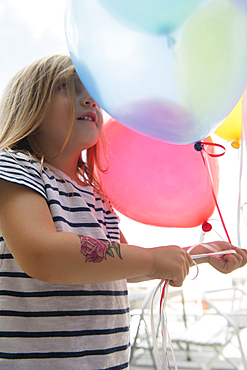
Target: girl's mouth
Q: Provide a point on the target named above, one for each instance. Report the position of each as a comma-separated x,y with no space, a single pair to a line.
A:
89,116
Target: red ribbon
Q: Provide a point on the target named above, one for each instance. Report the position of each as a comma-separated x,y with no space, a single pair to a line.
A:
200,146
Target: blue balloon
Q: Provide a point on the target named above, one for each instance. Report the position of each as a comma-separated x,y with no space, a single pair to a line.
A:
174,87
151,16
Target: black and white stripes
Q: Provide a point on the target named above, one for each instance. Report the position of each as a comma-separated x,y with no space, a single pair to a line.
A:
48,326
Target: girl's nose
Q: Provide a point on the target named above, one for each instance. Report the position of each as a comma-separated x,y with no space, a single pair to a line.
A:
88,101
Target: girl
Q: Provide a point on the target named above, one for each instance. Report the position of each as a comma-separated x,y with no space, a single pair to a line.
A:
64,263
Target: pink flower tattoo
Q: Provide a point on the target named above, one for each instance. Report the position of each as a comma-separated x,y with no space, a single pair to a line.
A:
96,250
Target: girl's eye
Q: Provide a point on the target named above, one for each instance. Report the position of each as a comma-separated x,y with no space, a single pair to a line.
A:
62,86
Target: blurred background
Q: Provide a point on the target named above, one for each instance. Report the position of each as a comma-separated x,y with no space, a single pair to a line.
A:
33,29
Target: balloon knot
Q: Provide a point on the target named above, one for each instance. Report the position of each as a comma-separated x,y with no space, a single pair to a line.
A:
235,144
198,146
206,227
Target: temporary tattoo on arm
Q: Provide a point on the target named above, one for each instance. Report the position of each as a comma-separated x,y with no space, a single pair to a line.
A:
96,250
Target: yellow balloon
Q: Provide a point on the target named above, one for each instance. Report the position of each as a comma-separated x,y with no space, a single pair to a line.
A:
230,129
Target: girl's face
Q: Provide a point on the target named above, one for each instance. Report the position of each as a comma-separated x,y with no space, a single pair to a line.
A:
57,123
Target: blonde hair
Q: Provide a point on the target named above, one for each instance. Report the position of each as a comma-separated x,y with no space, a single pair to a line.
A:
25,103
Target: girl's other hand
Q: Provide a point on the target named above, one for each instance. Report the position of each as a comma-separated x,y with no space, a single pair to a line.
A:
229,262
224,263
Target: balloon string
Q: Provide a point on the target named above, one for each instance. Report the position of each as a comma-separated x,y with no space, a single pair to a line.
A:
162,295
153,331
161,363
240,185
202,147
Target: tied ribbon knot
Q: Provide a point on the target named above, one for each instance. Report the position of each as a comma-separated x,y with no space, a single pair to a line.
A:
202,145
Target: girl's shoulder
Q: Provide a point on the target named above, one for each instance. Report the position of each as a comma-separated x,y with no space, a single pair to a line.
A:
16,158
21,168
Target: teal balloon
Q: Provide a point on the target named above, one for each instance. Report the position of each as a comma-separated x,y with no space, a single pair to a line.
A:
157,17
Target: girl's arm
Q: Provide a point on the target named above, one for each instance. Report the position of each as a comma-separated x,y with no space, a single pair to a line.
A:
135,279
225,264
55,257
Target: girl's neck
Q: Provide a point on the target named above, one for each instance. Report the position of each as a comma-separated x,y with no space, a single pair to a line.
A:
66,165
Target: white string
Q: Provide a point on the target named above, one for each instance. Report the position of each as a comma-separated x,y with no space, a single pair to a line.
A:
206,157
240,184
164,327
214,254
155,345
162,365
212,249
197,270
164,335
173,353
242,209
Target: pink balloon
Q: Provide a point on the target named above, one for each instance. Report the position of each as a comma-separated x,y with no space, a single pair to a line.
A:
244,116
157,183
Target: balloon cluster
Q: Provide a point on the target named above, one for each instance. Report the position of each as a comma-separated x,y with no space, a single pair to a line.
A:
169,70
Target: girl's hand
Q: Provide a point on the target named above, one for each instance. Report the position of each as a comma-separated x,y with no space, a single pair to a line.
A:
229,262
170,263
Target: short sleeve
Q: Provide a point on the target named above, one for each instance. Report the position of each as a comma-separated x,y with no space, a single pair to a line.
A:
21,169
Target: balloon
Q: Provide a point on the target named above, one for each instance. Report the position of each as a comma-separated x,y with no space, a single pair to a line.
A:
152,16
244,115
230,129
157,183
175,88
208,52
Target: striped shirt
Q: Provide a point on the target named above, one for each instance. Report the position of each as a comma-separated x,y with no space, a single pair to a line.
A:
50,326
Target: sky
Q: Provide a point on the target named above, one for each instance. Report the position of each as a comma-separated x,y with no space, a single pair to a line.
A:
32,29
